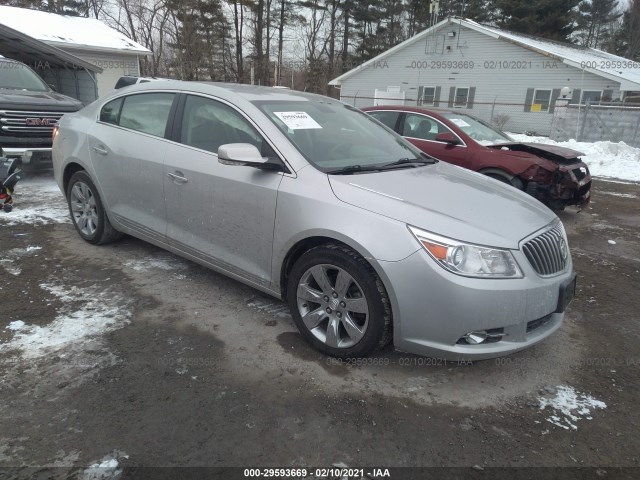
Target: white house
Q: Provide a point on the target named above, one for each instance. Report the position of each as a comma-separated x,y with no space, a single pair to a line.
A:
88,42
459,63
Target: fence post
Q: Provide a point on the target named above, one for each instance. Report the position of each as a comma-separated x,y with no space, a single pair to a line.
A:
584,122
493,107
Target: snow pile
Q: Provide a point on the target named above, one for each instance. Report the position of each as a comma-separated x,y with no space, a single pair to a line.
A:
605,158
99,312
570,406
36,203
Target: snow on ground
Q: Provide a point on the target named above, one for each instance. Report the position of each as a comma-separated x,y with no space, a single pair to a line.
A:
36,202
158,263
8,259
106,468
86,313
569,406
605,158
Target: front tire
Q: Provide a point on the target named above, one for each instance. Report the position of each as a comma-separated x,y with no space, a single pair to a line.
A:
87,212
338,302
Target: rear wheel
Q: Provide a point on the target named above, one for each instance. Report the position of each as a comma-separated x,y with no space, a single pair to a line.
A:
87,211
338,302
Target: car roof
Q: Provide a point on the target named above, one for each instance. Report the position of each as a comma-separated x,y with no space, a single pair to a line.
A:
405,108
232,91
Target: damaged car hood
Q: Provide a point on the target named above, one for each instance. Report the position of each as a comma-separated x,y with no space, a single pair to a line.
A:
548,152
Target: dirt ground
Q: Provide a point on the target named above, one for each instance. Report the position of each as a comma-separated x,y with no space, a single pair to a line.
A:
128,356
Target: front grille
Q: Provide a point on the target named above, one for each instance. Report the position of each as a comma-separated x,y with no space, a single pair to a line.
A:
22,123
547,252
579,173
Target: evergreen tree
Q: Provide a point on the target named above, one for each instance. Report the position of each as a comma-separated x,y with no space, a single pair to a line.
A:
552,19
595,21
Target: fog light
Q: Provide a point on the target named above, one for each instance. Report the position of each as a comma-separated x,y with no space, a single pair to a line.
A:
476,338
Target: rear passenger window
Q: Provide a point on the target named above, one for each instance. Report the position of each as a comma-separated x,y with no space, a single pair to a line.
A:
146,112
109,112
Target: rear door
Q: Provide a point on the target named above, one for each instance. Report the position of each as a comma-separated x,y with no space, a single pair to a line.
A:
421,130
219,213
127,148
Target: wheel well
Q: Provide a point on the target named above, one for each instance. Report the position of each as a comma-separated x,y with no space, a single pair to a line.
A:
296,252
68,173
512,179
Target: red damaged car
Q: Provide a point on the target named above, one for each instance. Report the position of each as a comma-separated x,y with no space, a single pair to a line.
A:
554,175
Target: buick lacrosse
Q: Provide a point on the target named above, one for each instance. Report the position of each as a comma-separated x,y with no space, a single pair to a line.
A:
366,238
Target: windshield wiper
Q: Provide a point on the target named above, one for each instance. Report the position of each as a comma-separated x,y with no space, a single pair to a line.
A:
353,169
407,161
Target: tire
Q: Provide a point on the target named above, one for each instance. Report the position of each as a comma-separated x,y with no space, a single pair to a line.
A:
338,302
87,212
514,182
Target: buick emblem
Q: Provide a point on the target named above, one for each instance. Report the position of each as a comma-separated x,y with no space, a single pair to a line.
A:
564,251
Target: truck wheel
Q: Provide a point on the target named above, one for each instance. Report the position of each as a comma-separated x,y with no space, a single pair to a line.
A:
87,212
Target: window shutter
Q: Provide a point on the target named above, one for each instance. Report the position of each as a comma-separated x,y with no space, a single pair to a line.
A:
528,99
472,95
575,98
554,96
436,97
452,96
420,93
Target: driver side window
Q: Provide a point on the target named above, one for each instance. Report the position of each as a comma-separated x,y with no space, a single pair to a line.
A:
207,124
422,127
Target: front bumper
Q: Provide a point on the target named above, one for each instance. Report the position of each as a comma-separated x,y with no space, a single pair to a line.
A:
26,153
571,186
433,309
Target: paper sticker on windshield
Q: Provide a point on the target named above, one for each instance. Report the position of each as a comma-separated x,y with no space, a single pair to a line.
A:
459,122
297,120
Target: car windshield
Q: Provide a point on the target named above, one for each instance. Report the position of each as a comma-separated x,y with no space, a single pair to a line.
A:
17,76
481,132
337,138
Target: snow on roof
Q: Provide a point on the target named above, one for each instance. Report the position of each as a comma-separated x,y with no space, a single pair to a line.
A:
64,30
591,60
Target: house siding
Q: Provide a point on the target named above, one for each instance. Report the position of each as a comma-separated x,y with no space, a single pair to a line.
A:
501,77
113,66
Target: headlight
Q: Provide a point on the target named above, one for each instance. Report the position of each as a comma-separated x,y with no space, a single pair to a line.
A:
467,259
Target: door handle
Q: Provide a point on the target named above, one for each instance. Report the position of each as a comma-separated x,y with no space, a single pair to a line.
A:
177,178
100,150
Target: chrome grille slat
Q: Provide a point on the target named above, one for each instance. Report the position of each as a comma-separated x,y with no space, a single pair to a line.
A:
544,252
15,121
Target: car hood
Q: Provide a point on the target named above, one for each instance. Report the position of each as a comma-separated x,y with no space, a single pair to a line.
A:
46,101
548,152
449,201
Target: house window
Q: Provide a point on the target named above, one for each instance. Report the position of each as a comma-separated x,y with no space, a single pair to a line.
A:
541,101
591,96
461,97
428,96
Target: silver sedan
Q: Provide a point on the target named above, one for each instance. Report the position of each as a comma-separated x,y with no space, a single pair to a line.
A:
310,200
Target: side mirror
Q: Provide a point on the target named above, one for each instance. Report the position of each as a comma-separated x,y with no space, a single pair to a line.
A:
447,137
241,154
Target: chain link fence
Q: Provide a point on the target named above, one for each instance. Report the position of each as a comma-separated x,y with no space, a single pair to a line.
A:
558,120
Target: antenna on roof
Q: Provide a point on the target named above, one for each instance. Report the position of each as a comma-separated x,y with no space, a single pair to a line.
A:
464,4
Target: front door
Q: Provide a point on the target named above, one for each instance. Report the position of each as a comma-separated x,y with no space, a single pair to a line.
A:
220,213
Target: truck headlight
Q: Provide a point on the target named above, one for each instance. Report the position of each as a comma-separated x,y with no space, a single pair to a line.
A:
467,259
